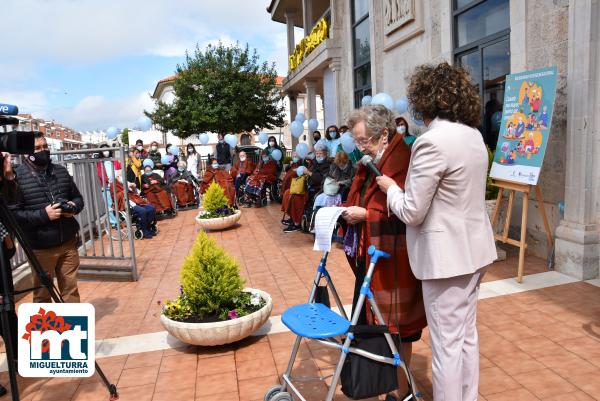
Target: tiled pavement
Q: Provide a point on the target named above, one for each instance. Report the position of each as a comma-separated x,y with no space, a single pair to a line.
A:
541,344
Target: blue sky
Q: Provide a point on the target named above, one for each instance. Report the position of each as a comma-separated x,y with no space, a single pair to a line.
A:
91,64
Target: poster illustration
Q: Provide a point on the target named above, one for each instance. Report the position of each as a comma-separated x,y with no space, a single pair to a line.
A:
525,126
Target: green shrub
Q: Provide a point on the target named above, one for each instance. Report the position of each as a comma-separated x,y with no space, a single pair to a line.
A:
210,278
287,160
214,198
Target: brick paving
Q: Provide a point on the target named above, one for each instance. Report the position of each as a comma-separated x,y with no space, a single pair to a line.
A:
535,345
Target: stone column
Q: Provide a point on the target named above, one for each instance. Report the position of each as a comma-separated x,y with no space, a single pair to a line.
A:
291,41
311,104
578,237
336,69
293,112
307,16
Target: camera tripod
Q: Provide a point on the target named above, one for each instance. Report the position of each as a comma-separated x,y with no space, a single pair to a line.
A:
8,304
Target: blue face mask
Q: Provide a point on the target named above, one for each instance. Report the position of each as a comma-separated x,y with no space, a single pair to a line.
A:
148,173
320,159
333,134
215,166
295,159
265,159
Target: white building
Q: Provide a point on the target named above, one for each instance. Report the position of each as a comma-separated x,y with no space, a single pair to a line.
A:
362,47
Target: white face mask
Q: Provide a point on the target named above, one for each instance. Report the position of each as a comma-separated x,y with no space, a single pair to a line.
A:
401,129
242,158
215,166
271,143
140,148
379,155
154,148
106,154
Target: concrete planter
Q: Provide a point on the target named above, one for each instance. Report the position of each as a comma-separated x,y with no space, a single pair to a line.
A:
219,333
219,223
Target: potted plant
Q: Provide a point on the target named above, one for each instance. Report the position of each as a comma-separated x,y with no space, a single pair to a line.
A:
216,214
213,307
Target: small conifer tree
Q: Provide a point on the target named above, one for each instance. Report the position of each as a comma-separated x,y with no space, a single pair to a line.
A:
210,278
214,198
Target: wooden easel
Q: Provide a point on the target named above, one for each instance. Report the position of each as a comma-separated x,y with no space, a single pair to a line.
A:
513,188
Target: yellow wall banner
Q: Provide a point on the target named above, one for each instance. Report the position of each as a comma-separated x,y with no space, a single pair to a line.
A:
318,34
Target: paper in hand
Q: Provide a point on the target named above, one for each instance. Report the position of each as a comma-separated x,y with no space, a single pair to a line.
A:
325,222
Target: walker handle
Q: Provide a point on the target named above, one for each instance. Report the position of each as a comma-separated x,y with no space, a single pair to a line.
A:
375,254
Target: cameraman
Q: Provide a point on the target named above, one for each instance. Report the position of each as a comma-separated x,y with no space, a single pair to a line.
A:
47,200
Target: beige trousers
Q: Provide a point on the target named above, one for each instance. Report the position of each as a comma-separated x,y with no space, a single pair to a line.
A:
61,262
451,308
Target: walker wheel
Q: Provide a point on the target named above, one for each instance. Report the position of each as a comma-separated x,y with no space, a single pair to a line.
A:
114,394
283,396
138,234
272,392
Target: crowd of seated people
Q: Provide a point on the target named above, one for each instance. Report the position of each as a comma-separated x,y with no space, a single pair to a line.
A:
264,175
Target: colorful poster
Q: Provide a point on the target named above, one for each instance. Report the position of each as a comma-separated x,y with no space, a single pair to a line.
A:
525,126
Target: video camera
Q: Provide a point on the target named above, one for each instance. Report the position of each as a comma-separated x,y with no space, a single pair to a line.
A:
14,142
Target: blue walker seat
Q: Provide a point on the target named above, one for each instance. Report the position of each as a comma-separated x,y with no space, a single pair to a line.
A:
314,321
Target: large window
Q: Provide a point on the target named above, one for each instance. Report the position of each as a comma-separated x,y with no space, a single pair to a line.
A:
482,45
361,44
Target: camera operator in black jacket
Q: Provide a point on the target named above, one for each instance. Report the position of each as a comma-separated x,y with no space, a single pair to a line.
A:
47,201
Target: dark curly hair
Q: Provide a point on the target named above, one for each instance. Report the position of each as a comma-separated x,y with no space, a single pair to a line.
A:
444,91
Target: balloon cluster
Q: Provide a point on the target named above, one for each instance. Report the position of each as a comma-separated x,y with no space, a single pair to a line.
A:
401,105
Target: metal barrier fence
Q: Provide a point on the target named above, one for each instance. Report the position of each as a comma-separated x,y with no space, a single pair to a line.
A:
107,240
107,248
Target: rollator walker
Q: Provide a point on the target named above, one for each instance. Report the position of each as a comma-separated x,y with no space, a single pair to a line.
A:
318,322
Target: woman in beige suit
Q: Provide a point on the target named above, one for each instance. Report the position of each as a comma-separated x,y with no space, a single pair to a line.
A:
449,235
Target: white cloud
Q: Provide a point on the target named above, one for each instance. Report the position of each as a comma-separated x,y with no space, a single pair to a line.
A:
29,102
98,112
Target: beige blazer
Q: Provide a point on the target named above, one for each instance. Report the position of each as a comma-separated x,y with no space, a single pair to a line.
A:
448,230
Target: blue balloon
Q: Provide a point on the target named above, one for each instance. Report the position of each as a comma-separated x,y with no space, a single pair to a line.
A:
231,140
348,144
296,128
263,137
174,150
383,99
148,162
300,171
366,100
204,138
420,123
276,154
165,159
402,105
302,150
313,124
300,118
112,133
144,123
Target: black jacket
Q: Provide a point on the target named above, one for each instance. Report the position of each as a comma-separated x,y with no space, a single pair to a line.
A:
38,189
223,153
319,172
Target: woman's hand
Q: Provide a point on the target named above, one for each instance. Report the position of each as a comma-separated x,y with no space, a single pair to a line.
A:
385,183
355,214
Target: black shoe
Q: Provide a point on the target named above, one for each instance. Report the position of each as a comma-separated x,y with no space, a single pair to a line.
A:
3,391
291,228
287,222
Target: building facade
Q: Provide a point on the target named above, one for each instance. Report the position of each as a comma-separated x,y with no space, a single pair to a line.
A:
353,48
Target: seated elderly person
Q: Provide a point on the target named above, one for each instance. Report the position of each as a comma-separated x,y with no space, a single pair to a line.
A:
337,183
155,190
182,184
144,213
241,170
264,175
290,172
214,173
294,204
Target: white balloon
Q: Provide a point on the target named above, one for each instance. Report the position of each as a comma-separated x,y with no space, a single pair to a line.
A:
383,99
313,124
302,150
296,128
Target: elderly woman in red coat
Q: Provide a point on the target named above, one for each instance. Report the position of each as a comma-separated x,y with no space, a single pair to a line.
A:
216,174
264,175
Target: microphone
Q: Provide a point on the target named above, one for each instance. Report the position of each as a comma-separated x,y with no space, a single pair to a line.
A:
368,162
